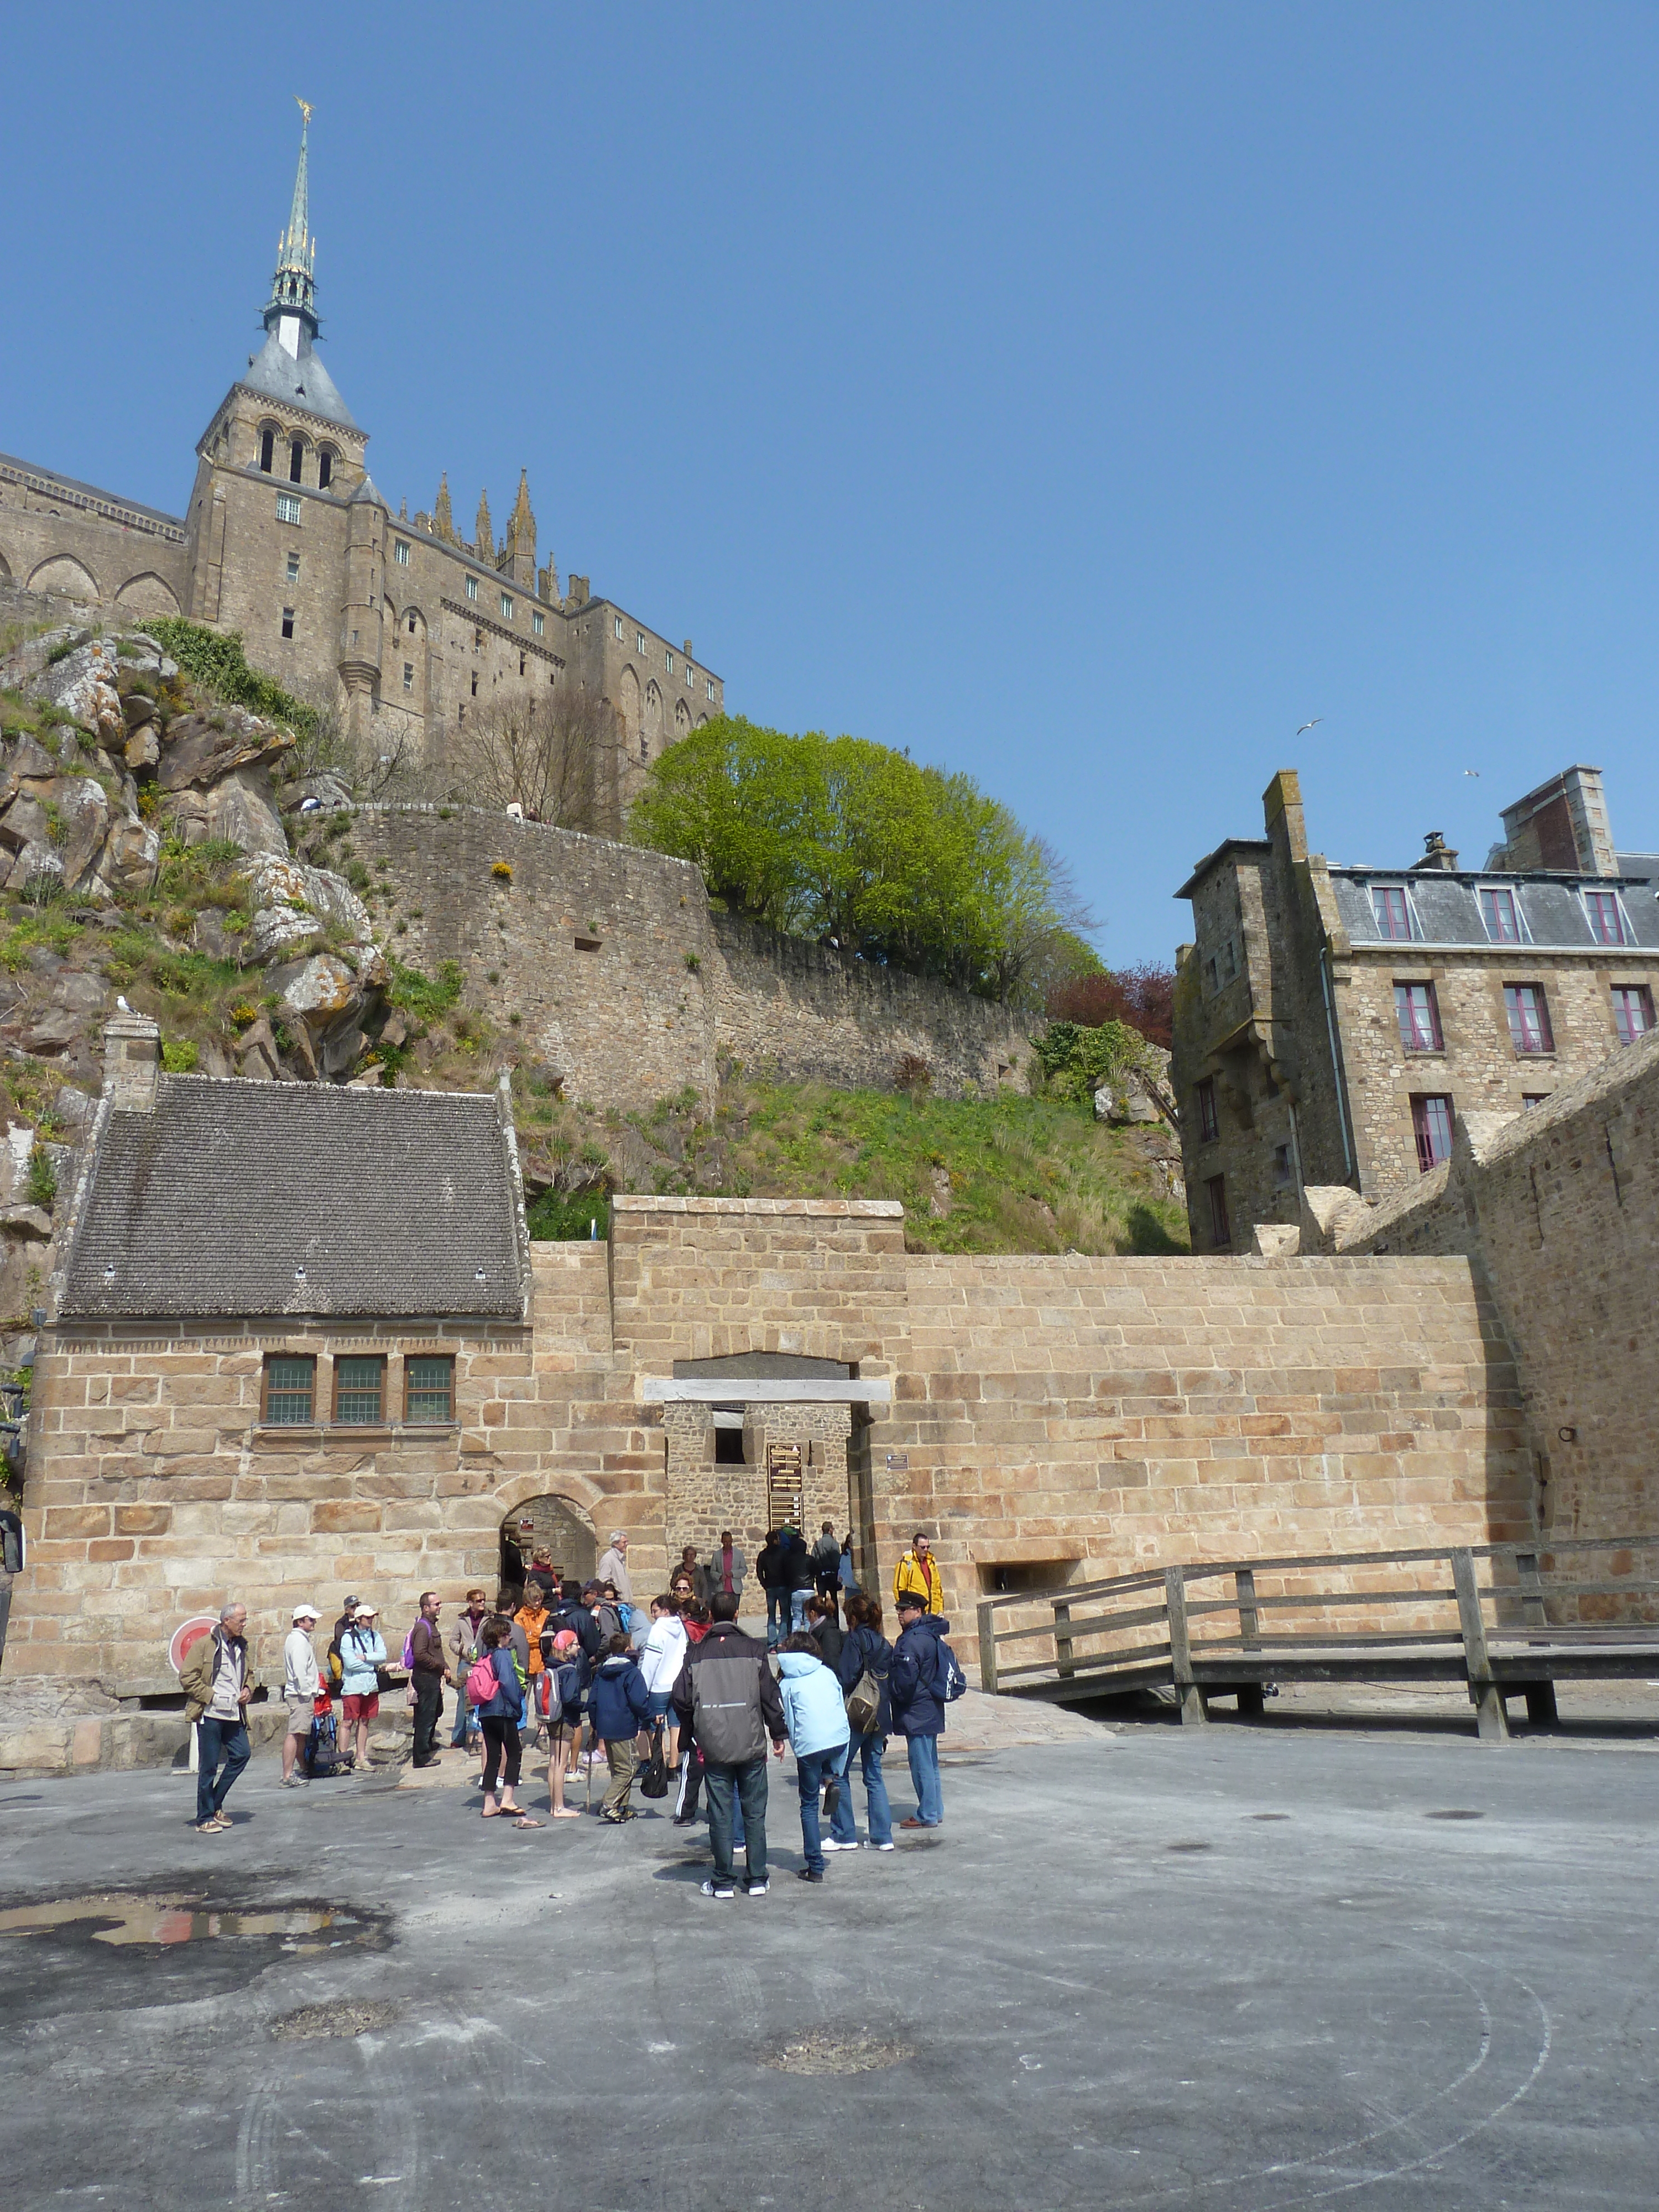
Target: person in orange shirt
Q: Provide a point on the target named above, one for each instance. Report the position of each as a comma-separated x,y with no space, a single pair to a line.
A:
531,1617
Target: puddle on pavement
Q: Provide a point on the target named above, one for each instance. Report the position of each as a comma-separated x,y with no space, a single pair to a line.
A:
1454,1815
1188,1847
132,1918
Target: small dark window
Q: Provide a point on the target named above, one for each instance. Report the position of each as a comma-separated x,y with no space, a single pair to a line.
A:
587,944
1221,1233
267,450
728,1448
325,469
429,1389
359,1391
290,1393
296,460
288,622
411,625
1209,1124
521,663
475,683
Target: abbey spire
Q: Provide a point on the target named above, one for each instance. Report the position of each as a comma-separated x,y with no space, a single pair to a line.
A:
294,287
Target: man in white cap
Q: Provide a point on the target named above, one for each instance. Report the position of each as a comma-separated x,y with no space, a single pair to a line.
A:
613,1567
302,1680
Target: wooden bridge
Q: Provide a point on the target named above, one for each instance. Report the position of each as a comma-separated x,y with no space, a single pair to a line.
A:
1229,1629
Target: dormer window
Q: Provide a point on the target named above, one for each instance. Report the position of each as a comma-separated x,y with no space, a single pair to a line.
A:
1607,919
1497,911
1393,911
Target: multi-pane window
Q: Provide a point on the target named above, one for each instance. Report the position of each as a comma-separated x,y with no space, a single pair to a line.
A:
668,662
507,608
288,508
1220,1228
358,1389
409,676
429,1389
615,623
1530,1017
288,622
1432,1125
472,587
1209,1122
1419,1015
1607,923
1393,913
293,567
1632,1010
400,551
290,1392
1497,912
538,621
640,644
711,687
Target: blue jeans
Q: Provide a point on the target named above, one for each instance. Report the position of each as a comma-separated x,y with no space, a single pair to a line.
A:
924,1773
867,1749
777,1612
812,1769
747,1786
799,1601
216,1740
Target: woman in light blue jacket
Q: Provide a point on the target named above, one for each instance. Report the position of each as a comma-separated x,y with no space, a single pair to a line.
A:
362,1654
815,1714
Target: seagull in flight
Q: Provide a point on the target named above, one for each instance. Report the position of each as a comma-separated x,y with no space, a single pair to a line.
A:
1471,771
1313,725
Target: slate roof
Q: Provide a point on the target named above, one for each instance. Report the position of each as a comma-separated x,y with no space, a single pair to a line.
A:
248,1200
303,383
1447,909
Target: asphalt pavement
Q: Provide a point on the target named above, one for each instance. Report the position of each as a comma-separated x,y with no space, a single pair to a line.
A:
1236,1970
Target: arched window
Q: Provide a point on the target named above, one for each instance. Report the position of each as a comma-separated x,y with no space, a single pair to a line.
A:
296,457
324,468
267,450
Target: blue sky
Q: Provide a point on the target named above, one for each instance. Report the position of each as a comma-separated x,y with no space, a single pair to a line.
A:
1082,396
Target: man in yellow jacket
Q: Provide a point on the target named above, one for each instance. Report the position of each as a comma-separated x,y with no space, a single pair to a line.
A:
918,1570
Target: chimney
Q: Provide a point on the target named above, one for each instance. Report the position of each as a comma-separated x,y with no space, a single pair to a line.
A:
578,590
1437,854
689,653
1281,802
132,1062
1563,825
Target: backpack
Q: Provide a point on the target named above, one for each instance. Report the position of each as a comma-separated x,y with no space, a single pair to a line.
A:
335,1665
654,1780
864,1703
571,1679
409,1650
481,1681
949,1680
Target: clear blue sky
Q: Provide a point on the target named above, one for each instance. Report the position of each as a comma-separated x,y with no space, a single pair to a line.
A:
1082,396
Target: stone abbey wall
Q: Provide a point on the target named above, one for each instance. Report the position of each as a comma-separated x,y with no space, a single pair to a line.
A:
1557,1211
628,988
1064,1416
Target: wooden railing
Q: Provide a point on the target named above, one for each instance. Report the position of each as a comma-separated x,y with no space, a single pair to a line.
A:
1092,1639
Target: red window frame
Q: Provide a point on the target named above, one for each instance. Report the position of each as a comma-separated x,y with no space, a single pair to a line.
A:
1431,1126
1209,1121
1417,1010
1498,913
1393,911
1628,999
1529,1012
1606,920
1221,1233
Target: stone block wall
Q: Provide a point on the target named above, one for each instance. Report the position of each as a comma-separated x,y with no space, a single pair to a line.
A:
1559,1209
629,988
704,1497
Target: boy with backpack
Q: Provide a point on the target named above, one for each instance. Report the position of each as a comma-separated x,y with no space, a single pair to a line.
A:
568,1676
924,1679
621,1705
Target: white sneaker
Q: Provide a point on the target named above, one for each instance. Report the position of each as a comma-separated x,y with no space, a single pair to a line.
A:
831,1844
878,1847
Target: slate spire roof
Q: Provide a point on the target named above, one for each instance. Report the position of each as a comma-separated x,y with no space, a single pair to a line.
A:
248,1200
286,367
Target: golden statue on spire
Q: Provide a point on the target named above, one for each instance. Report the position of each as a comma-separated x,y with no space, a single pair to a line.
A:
304,106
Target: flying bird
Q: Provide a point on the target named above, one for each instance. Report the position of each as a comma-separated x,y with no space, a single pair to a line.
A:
1471,771
1313,725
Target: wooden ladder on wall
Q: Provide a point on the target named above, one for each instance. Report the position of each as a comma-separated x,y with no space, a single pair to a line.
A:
784,1499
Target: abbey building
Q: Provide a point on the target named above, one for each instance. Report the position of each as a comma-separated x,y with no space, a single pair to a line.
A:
401,625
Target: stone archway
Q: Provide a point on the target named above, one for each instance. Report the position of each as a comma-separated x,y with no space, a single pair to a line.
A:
560,1523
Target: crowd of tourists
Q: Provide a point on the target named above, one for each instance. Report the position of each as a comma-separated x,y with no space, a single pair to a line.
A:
674,1699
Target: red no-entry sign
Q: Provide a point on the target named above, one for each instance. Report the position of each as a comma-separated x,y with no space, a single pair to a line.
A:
186,1633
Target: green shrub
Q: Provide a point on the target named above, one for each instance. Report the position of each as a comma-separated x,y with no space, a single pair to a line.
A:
427,999
219,665
565,1215
42,1180
180,1055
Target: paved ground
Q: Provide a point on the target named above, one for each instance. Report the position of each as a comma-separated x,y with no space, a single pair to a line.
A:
1232,1970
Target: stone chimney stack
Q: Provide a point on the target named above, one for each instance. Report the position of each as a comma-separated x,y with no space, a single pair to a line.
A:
1437,854
1563,825
133,1063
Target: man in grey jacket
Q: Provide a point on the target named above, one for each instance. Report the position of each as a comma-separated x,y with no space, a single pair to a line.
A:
726,1696
726,1570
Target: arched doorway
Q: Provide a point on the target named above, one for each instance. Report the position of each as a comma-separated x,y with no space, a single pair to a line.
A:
561,1525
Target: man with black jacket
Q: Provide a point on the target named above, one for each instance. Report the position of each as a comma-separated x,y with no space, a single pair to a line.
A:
726,1698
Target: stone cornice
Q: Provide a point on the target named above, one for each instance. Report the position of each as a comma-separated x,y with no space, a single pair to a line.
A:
145,519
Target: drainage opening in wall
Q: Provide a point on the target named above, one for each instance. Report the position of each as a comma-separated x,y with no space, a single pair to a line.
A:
1000,1578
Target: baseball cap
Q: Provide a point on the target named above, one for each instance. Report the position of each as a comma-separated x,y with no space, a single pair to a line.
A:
307,1613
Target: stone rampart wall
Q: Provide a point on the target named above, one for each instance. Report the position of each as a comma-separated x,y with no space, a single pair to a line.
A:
629,988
